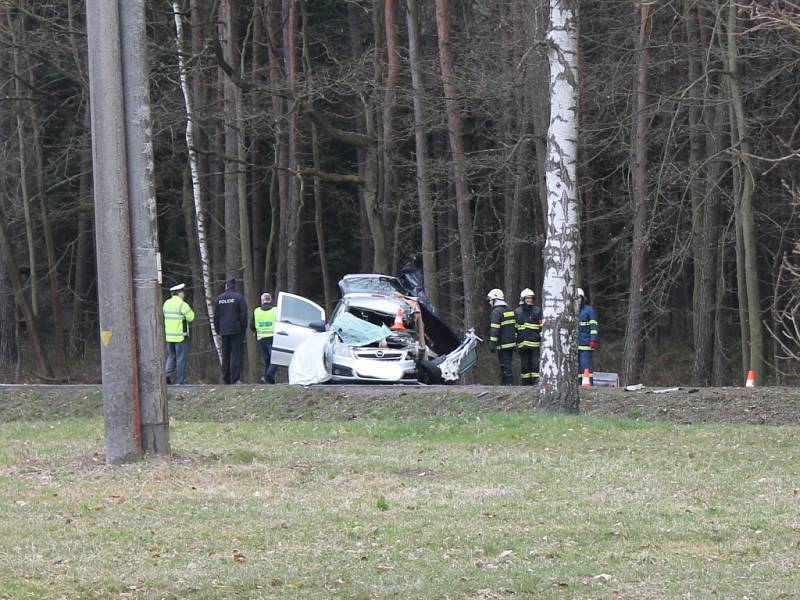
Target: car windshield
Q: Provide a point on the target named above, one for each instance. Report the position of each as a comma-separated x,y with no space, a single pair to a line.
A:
375,284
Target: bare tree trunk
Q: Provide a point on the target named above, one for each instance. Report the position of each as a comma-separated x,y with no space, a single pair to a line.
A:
427,223
635,330
250,292
741,279
270,280
8,316
59,346
197,188
695,157
562,248
367,253
744,157
388,144
8,321
257,187
292,216
463,196
229,34
709,250
371,178
281,151
318,209
42,363
537,72
516,131
83,254
18,40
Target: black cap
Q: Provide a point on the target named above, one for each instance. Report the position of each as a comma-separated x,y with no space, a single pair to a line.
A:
231,281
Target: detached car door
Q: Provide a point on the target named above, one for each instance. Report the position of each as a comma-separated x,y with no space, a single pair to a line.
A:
296,319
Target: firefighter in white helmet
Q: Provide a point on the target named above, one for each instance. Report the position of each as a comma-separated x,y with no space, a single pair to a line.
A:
502,334
529,323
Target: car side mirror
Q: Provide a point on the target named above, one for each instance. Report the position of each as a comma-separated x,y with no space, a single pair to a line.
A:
317,325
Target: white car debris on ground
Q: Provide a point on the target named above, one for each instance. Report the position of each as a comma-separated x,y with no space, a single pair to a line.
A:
377,333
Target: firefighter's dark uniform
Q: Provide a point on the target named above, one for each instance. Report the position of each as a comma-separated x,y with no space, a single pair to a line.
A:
503,338
529,323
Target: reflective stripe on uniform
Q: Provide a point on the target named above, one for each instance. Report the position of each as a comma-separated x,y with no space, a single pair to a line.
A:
529,345
176,311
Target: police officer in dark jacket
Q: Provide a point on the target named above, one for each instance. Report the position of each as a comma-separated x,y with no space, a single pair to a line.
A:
230,322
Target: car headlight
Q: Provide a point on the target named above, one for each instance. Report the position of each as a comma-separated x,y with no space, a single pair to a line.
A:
342,349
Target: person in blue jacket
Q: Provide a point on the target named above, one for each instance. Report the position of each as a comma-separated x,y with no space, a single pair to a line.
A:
587,334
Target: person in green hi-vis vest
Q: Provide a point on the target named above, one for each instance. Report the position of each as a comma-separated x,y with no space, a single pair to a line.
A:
177,316
264,326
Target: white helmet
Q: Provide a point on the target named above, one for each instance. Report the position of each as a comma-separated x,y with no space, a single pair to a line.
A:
495,294
525,293
579,293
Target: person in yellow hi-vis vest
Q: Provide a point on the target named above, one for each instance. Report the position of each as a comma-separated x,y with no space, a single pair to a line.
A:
264,326
177,316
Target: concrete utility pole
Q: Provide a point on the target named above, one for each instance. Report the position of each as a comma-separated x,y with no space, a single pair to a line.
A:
144,231
134,396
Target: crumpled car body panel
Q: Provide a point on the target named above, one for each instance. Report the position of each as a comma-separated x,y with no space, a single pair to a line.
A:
416,351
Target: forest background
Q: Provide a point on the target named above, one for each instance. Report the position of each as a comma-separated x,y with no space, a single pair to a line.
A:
322,146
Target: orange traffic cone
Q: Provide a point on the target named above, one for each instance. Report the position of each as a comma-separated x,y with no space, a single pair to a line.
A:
398,321
586,380
751,379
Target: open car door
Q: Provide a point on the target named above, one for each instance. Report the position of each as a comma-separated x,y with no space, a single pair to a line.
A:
297,318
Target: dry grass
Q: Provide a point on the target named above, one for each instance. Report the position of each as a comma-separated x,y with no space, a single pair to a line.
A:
498,506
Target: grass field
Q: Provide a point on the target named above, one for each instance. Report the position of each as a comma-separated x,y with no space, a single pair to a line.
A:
520,505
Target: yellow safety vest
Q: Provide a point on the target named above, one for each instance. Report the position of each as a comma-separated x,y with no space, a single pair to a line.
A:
265,322
176,312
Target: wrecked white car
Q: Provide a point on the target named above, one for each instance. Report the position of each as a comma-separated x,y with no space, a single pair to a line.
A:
378,333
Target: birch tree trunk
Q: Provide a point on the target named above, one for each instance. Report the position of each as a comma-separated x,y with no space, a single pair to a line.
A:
427,224
633,358
197,188
201,326
463,196
558,368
